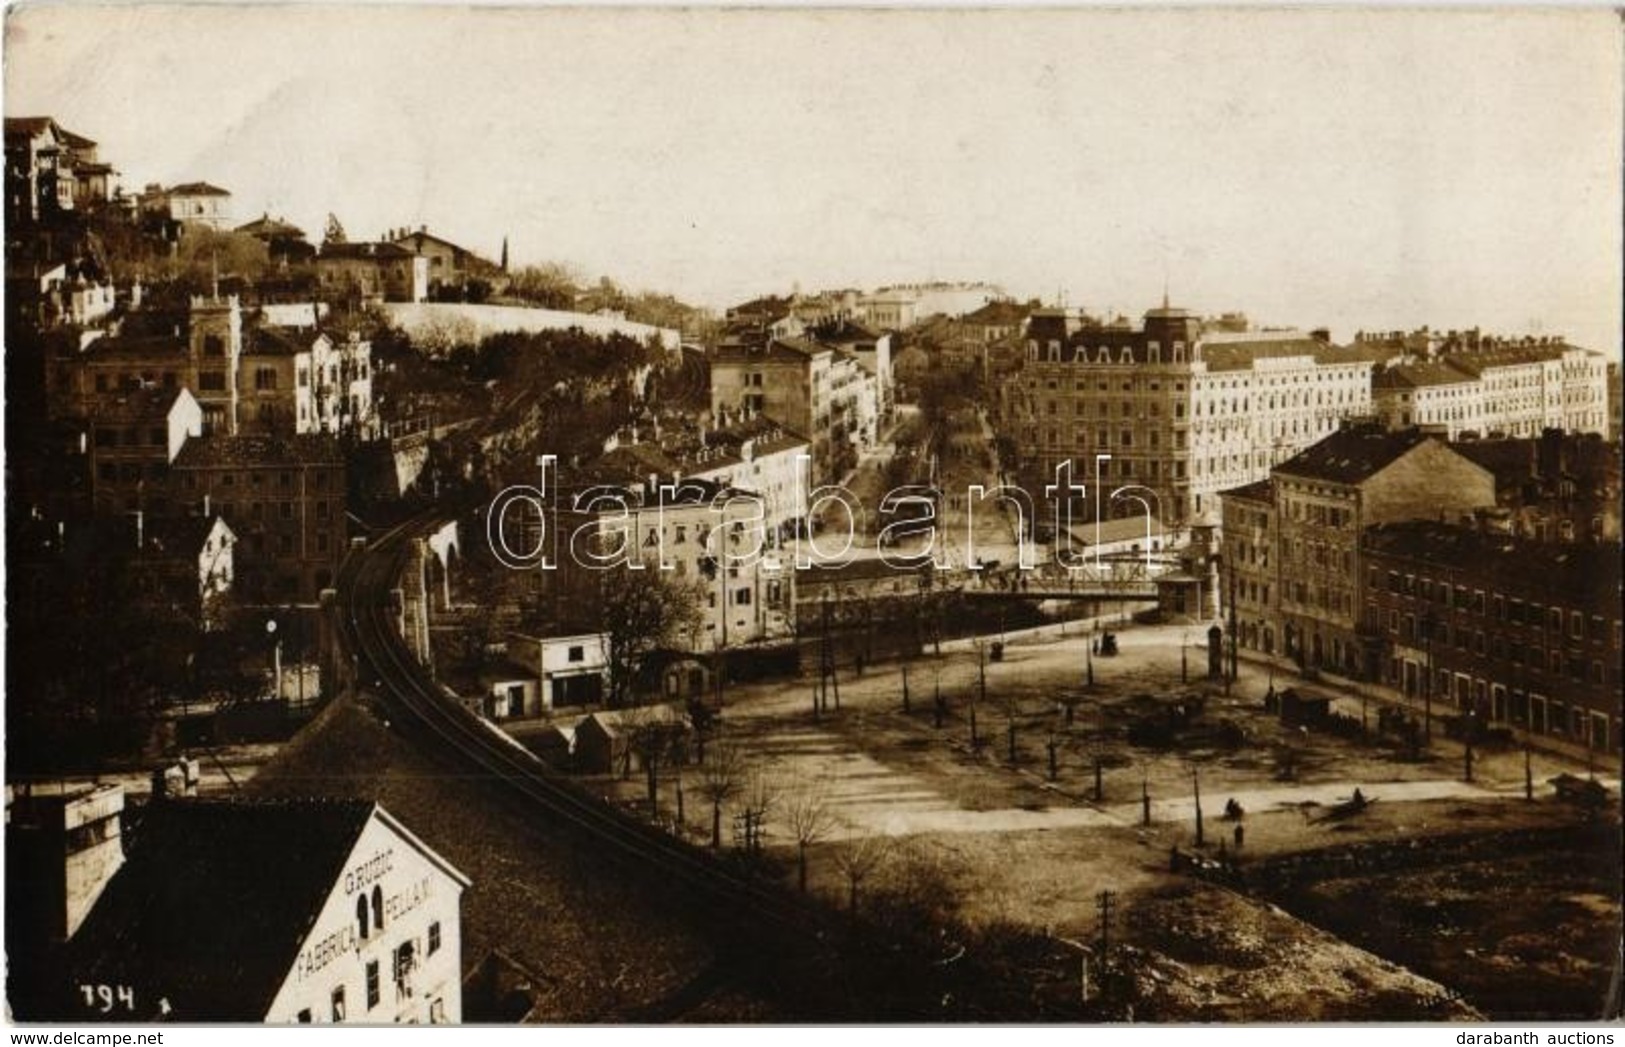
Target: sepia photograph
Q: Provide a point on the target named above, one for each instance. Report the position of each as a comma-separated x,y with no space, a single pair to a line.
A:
800,516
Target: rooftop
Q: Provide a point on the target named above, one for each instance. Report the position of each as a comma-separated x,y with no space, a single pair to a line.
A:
260,449
1516,563
1260,491
197,189
139,405
178,535
1352,454
1419,373
214,900
365,249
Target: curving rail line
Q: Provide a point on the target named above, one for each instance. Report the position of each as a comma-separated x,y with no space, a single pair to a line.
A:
417,704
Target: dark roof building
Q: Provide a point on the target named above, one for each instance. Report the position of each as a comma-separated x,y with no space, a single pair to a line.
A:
274,911
1501,629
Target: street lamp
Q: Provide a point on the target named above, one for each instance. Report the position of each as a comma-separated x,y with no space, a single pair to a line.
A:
276,656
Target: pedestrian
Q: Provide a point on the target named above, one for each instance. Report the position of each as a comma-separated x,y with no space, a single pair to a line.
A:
1240,833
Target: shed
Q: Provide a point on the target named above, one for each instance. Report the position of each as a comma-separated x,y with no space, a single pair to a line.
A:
604,741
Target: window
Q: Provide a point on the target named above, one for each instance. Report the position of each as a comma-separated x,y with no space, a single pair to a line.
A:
265,379
437,1011
577,653
213,346
434,937
405,961
377,907
742,597
363,924
211,381
372,984
304,1016
338,1004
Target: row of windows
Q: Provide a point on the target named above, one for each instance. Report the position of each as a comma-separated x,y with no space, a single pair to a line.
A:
257,478
1496,606
134,436
404,961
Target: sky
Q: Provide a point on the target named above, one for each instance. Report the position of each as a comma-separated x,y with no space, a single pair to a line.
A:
1353,169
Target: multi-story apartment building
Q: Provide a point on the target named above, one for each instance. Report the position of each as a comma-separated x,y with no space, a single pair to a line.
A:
451,268
1429,394
870,348
690,528
204,358
1514,631
307,381
50,170
1298,538
284,498
1470,384
373,270
132,439
195,203
1165,408
818,390
1557,487
1252,587
753,454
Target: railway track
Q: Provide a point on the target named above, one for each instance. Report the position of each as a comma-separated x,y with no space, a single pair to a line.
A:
418,707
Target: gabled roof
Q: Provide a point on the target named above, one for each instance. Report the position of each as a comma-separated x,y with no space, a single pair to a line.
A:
1506,356
1419,373
180,536
418,237
75,141
196,189
271,340
1352,454
998,313
365,249
29,125
1260,491
265,226
782,350
214,901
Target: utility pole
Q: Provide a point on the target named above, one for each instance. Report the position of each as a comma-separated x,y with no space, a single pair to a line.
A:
1234,629
1145,798
1196,783
1528,774
905,688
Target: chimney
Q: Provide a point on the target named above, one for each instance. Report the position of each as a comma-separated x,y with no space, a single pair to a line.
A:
66,848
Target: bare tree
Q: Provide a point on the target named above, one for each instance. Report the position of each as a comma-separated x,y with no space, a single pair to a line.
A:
760,794
808,816
642,611
655,735
721,778
858,860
